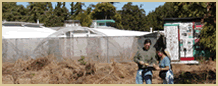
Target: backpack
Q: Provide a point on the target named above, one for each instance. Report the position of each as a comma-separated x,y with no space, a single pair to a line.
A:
162,73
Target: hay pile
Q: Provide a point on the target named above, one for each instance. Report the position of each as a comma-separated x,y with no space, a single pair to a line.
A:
47,70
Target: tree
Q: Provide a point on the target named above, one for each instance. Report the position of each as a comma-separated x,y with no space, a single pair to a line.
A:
60,14
13,12
53,21
155,18
65,12
72,8
89,9
103,11
7,10
58,10
133,18
118,21
190,9
113,3
208,33
107,11
207,10
169,10
84,18
49,15
56,18
37,10
77,9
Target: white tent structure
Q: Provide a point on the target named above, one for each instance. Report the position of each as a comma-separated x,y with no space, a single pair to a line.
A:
117,32
102,42
25,30
79,31
22,39
19,39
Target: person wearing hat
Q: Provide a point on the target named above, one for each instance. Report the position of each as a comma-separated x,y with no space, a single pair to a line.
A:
164,67
141,58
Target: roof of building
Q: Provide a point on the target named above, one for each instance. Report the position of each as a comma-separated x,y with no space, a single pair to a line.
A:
183,19
26,32
117,32
71,21
103,21
100,31
20,23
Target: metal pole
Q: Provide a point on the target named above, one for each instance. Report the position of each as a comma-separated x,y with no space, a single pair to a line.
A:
179,54
71,46
16,48
107,51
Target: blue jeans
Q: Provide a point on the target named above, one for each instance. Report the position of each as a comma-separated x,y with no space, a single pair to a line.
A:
168,82
140,78
169,78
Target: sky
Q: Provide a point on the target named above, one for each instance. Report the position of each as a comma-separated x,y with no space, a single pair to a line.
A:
147,6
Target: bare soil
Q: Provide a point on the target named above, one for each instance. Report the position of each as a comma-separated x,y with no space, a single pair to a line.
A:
47,70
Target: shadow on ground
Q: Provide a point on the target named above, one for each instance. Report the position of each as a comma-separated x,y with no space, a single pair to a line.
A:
195,77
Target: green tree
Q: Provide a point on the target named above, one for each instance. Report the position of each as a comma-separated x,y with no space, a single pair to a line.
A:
85,19
50,17
7,10
78,9
65,12
133,17
89,9
208,33
107,11
169,10
190,9
152,22
37,10
13,12
53,21
155,18
103,11
207,10
113,3
118,21
58,10
72,10
60,14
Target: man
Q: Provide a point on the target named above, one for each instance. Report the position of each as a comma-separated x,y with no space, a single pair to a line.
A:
142,58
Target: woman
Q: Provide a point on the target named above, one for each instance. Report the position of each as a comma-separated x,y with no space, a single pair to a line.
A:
164,67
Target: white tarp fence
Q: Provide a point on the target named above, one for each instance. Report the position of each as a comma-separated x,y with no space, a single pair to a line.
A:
103,46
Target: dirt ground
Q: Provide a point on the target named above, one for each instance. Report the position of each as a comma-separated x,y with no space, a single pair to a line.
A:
48,71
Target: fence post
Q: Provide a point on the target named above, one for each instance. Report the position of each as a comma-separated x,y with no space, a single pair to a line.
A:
16,49
107,51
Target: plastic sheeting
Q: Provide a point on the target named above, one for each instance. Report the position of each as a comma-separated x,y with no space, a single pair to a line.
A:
102,45
116,32
25,32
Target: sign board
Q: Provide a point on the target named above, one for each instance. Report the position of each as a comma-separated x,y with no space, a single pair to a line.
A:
186,39
172,42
